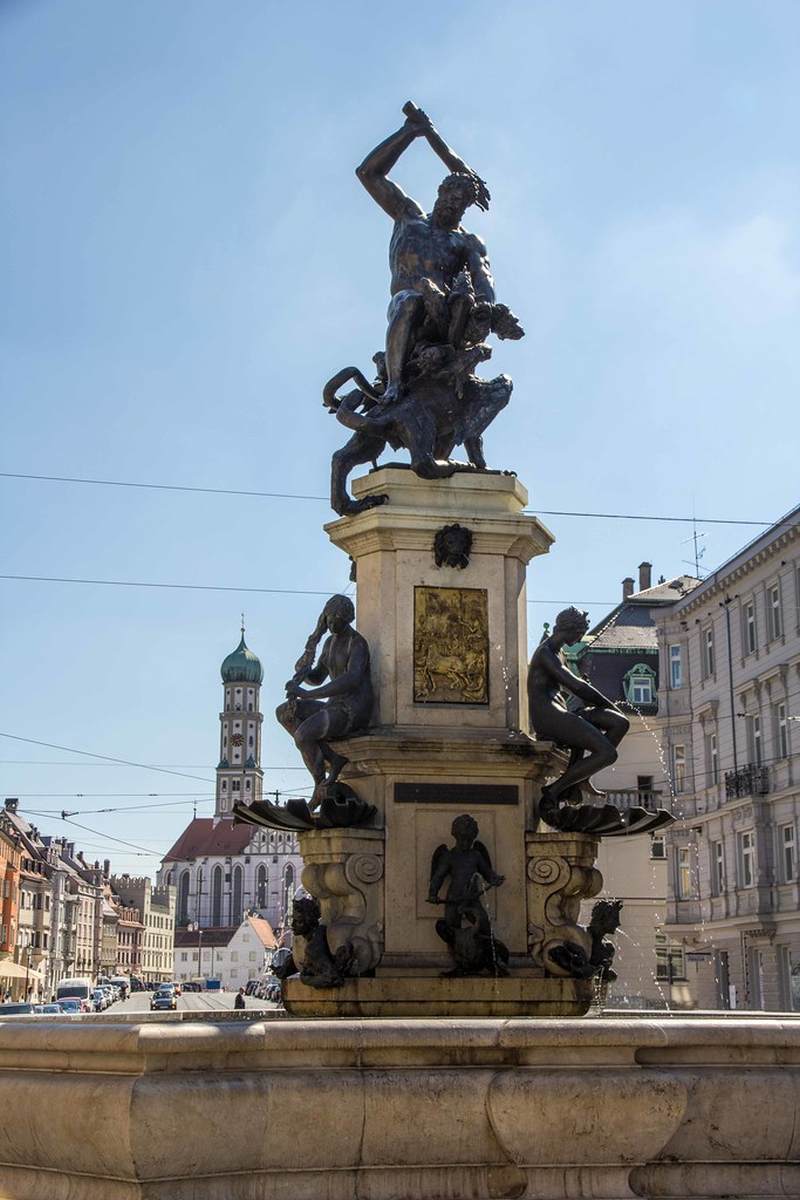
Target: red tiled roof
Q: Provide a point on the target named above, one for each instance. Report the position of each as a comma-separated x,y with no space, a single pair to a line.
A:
263,931
202,837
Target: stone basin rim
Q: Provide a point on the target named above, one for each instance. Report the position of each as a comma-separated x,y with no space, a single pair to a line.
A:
442,1034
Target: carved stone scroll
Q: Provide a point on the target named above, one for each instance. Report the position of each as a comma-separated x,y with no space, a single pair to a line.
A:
344,872
560,874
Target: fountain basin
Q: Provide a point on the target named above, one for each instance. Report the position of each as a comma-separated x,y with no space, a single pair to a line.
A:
400,1110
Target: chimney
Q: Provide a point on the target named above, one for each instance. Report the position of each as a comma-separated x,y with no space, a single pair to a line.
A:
645,576
12,803
627,588
107,867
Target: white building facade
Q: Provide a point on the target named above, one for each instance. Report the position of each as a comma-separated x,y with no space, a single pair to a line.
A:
222,871
729,721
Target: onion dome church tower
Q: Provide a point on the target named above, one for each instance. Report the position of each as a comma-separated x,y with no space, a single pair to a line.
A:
222,870
239,774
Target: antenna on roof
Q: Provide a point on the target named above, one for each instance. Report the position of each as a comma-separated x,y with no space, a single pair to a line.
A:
699,550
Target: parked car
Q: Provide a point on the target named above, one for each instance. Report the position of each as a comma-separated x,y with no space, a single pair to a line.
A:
70,1004
48,1009
99,1000
165,999
16,1010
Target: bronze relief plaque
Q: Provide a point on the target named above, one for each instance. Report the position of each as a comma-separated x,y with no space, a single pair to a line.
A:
451,645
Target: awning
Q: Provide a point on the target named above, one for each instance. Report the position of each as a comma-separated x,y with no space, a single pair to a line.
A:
11,970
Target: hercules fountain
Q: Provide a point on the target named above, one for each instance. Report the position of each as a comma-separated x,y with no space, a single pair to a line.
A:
449,842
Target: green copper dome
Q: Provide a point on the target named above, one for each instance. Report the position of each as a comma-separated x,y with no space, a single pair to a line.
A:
242,666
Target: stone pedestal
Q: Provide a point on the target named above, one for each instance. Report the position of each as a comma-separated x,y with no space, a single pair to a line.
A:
448,646
393,549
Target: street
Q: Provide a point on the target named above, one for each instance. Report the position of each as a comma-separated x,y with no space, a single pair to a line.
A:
189,1002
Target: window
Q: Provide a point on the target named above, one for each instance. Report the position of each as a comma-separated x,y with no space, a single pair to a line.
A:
670,959
781,731
684,872
754,739
712,760
236,785
679,768
775,615
184,955
675,667
750,638
788,853
718,868
708,652
658,846
640,685
747,858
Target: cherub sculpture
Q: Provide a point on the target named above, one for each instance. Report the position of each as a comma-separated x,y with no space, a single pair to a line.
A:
335,709
591,733
466,927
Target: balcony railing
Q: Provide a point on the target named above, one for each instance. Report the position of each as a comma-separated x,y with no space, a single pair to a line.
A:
625,798
751,780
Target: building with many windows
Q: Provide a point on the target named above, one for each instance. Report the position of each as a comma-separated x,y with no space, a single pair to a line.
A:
619,656
156,909
729,722
222,871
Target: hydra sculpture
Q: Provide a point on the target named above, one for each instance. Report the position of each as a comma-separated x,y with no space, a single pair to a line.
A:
426,396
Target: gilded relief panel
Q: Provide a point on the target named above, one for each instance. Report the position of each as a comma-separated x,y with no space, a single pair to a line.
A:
451,645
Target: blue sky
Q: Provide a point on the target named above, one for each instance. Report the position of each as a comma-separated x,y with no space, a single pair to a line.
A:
187,256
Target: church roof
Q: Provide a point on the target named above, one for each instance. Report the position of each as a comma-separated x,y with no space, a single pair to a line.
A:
242,665
202,838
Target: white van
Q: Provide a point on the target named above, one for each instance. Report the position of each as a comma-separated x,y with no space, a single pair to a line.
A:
77,989
124,985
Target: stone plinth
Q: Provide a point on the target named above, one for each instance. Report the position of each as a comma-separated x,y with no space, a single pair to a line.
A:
410,1110
419,781
392,547
399,994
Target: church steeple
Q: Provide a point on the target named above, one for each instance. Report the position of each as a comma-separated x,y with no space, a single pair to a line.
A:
239,774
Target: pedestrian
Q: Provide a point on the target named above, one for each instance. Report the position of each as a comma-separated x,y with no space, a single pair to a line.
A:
239,1001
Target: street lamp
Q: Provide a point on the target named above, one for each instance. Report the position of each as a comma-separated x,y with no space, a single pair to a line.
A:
28,953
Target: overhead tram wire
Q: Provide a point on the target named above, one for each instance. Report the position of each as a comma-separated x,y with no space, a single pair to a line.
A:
176,487
199,587
107,757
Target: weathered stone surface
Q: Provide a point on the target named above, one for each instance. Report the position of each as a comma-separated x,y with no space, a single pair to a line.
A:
400,1110
397,995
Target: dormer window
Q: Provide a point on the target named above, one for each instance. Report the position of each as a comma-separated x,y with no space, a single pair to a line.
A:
639,685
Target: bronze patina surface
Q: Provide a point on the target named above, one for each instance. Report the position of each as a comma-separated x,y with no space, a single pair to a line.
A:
451,645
